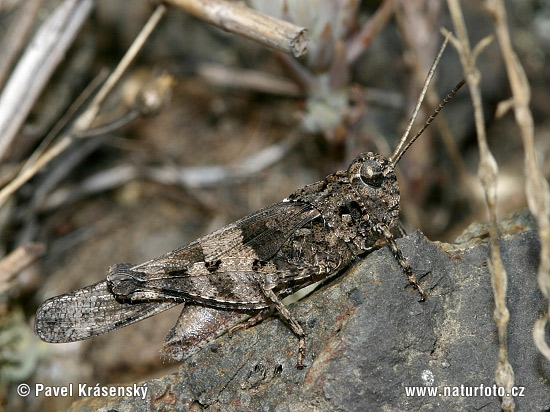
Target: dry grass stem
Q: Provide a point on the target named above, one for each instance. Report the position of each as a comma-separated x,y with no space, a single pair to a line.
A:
19,29
247,80
237,18
466,179
488,171
85,120
18,260
35,67
79,102
185,177
209,176
537,190
368,32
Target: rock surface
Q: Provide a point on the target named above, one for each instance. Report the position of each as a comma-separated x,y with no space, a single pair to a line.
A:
369,338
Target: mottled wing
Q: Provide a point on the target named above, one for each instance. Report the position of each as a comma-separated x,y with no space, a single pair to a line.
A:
264,232
95,310
227,266
89,312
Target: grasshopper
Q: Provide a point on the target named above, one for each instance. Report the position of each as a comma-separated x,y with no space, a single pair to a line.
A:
252,264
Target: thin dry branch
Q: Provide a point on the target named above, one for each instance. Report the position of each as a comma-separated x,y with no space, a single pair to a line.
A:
85,120
537,190
488,171
411,17
45,51
368,32
18,260
19,29
208,176
237,18
186,177
247,79
77,105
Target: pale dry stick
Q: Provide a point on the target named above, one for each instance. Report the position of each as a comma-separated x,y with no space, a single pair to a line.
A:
352,50
261,82
465,178
58,171
78,103
358,44
237,18
488,171
18,260
84,121
35,67
410,16
148,101
208,176
247,79
537,190
186,177
17,33
105,179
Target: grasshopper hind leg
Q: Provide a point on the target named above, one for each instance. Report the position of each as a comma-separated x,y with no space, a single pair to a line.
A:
276,303
293,323
252,321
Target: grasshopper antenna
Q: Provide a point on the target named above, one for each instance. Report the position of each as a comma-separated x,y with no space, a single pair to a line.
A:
402,147
395,157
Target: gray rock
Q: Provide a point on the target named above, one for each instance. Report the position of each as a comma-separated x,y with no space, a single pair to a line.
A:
369,338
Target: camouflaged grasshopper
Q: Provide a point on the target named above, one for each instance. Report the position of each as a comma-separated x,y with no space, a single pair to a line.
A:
249,265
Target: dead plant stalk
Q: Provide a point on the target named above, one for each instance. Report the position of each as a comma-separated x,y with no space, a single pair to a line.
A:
237,18
487,172
537,190
85,120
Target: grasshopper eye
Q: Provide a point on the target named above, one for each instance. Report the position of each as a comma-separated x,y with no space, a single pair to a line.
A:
372,173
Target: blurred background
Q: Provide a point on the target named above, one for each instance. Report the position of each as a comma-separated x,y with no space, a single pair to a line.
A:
239,127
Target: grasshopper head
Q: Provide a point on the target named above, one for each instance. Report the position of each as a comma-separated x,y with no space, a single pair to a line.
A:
373,180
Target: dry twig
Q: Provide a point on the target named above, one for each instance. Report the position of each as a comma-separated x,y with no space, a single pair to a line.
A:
16,261
488,172
186,177
237,18
19,29
537,190
357,45
419,22
85,120
247,79
45,51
